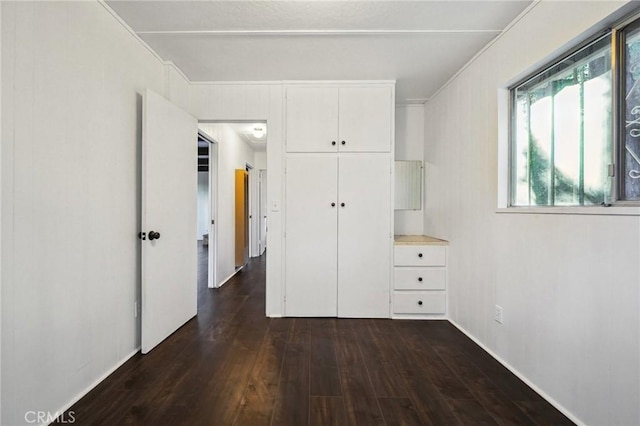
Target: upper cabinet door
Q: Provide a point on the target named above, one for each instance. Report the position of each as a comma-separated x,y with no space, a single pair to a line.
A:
312,119
365,119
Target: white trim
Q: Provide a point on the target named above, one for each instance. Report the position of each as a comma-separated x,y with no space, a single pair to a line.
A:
229,277
486,47
96,383
0,216
440,317
171,64
140,40
410,105
503,147
236,83
576,210
350,83
519,375
274,316
130,30
314,32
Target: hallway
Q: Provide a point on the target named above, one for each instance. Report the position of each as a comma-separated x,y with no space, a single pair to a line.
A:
232,365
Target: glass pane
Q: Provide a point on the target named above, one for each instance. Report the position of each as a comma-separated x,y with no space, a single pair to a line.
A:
630,180
562,131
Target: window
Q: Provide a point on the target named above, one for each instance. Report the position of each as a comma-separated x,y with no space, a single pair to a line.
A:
561,142
563,150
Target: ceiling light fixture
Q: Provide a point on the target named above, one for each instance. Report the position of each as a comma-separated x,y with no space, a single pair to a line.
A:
258,132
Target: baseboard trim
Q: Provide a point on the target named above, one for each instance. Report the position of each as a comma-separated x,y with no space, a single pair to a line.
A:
95,383
519,375
223,282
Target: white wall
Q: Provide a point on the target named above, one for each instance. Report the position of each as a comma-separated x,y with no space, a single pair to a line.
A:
233,153
203,204
261,160
409,145
72,78
569,284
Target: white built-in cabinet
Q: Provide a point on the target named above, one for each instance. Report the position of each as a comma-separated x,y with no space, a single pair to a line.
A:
345,119
420,277
338,210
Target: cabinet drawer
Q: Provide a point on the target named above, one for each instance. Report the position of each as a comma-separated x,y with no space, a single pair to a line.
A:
419,302
427,278
419,255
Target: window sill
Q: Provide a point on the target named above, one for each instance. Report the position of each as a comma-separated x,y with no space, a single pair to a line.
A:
593,211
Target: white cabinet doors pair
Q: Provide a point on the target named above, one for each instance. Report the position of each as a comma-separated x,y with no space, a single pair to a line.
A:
338,235
348,119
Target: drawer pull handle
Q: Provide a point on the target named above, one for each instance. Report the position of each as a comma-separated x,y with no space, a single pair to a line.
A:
419,254
420,302
333,204
420,279
333,142
342,204
343,142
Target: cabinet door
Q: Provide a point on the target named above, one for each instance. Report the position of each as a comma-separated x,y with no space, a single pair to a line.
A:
312,119
365,119
364,240
311,236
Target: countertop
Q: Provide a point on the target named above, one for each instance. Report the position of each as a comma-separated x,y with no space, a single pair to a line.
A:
414,240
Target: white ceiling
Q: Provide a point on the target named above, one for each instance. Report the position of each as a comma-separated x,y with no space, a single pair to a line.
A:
421,44
245,131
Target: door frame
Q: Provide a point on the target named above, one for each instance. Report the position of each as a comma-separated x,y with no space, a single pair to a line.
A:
263,208
254,211
212,270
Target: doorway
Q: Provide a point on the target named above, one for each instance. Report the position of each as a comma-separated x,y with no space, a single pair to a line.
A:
207,190
237,146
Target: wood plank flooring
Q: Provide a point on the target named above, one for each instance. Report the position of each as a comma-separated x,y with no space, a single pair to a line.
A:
233,366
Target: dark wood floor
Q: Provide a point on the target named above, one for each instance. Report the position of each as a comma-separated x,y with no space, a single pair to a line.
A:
232,366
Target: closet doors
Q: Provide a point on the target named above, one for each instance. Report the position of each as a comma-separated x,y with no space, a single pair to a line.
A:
364,235
337,235
338,216
311,270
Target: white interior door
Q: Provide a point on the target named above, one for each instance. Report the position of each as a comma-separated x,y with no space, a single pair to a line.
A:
169,217
311,236
364,237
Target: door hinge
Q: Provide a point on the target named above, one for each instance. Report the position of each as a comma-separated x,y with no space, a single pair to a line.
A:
612,170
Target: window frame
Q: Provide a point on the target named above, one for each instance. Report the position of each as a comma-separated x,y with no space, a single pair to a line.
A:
619,127
607,32
614,197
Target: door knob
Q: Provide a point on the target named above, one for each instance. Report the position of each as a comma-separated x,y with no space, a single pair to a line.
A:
343,143
333,142
333,204
142,235
420,302
419,254
420,279
341,204
153,235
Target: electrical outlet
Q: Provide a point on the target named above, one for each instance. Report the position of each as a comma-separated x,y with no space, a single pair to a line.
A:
498,314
